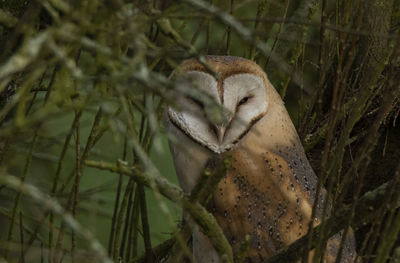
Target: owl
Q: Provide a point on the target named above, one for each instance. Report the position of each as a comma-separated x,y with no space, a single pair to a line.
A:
268,192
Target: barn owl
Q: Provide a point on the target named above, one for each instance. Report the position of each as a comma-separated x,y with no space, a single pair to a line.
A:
268,192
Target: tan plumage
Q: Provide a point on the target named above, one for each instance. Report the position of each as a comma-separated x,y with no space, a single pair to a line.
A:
269,190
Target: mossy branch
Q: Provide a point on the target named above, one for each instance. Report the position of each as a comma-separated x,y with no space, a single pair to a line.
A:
7,19
199,214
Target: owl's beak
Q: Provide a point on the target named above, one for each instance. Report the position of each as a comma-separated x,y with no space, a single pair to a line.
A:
220,128
219,132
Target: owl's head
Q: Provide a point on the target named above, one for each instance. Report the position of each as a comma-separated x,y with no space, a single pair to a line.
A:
218,113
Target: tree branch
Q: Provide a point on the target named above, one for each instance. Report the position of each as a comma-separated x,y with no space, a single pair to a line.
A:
199,214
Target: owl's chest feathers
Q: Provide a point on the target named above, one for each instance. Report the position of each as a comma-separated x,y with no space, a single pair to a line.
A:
262,196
